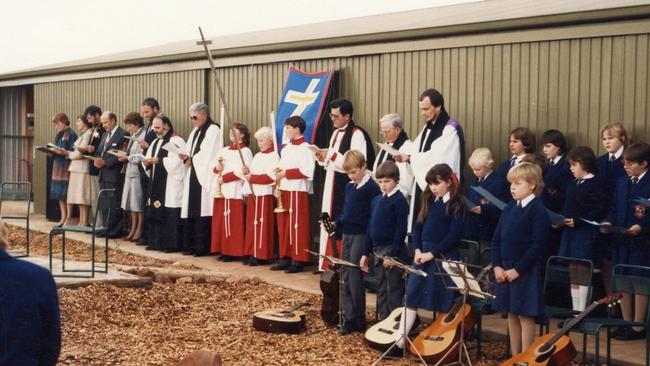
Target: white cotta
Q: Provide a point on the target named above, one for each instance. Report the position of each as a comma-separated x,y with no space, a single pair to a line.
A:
209,150
232,163
263,163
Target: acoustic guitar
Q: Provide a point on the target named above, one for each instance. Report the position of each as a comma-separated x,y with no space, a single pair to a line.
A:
384,333
555,349
289,320
329,280
439,337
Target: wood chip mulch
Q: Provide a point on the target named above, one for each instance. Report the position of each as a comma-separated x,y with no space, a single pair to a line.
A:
107,325
80,251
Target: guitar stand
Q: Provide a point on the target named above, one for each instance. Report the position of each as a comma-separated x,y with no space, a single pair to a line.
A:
455,270
406,341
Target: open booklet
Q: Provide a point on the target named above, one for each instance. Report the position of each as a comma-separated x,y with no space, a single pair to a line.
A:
92,158
490,197
389,149
643,201
120,153
48,148
606,226
173,148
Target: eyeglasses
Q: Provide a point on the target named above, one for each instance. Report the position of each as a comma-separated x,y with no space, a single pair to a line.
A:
194,118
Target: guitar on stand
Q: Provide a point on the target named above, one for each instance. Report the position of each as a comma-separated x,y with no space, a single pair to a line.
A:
555,349
330,280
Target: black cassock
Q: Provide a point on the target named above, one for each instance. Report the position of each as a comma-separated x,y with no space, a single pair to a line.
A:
163,224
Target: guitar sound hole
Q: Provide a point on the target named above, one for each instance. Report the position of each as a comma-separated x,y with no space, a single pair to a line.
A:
434,338
387,331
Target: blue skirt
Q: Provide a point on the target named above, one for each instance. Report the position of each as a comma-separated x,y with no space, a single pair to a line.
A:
524,296
430,292
578,243
632,250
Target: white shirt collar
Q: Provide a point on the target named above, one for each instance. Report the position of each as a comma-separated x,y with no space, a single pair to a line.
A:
487,175
557,159
527,200
395,190
364,180
641,175
445,198
518,158
114,129
618,153
588,176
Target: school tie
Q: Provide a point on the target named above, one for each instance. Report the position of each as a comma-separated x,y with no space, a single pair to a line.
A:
579,181
635,180
513,161
519,204
551,162
612,158
108,138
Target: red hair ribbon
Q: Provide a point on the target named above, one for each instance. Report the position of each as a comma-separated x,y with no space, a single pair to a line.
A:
454,178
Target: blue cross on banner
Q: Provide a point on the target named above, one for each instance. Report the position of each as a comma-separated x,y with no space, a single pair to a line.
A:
304,95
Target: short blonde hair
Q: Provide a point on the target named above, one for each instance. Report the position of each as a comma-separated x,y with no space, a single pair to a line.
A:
4,242
481,157
264,133
529,172
353,159
616,129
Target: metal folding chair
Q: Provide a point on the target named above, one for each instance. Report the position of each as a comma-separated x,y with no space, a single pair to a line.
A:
104,204
4,192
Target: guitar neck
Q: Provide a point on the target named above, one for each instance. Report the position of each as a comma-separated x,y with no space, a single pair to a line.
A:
567,327
295,307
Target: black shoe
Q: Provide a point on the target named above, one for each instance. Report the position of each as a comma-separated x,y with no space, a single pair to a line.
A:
630,335
617,332
225,258
254,262
201,254
346,329
280,265
294,268
188,252
247,260
149,248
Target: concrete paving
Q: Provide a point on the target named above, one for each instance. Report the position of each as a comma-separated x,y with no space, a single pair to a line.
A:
494,326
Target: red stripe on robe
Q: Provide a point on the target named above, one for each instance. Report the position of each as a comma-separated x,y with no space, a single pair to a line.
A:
293,241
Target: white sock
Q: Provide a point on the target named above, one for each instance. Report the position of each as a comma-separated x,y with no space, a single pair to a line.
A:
410,319
583,297
575,297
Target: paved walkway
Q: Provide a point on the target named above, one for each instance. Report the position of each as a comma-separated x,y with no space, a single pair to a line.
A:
494,327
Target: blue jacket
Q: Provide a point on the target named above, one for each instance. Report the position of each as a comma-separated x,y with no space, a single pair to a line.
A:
587,200
30,328
625,211
440,231
481,227
556,180
521,235
388,223
610,172
353,220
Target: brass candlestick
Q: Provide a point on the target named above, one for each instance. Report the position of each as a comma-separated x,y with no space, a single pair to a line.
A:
218,193
278,194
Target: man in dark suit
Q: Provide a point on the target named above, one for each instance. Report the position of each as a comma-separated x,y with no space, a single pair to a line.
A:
30,323
110,171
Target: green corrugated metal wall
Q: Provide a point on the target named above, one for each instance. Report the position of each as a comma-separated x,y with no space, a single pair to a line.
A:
175,91
574,85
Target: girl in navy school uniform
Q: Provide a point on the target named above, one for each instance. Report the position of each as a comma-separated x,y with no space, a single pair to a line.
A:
585,199
483,219
438,229
517,248
615,139
632,245
556,178
520,142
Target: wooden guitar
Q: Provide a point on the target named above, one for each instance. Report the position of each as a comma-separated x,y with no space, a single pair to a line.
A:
555,349
438,338
289,320
329,280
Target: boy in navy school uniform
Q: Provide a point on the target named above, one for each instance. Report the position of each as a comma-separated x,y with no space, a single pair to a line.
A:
556,178
633,242
585,199
518,245
353,223
387,229
521,142
614,138
483,218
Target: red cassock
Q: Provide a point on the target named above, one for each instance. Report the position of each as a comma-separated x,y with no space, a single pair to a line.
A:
294,232
260,227
228,227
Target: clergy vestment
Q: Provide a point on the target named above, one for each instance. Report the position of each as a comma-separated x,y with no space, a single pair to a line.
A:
228,213
260,222
203,146
165,194
440,141
294,226
349,137
403,145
